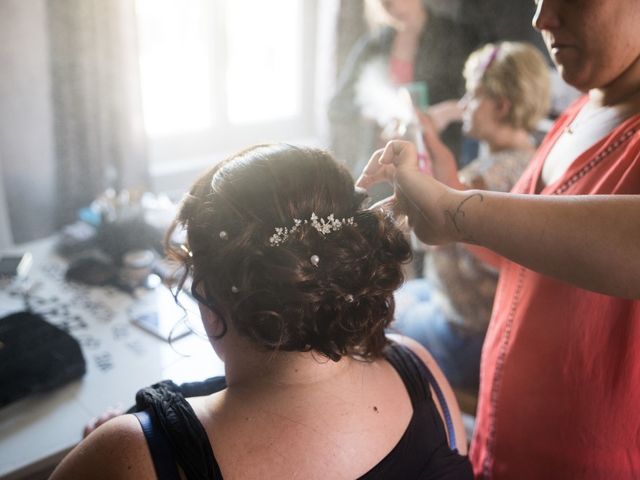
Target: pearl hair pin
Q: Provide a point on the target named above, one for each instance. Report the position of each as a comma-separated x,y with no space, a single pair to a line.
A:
315,260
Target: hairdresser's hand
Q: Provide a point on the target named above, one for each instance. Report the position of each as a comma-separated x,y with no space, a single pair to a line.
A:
108,414
443,163
423,200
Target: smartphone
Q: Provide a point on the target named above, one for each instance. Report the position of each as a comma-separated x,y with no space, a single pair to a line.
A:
160,315
15,265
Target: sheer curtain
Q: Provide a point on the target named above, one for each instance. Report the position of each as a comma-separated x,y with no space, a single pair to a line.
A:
99,132
6,237
346,137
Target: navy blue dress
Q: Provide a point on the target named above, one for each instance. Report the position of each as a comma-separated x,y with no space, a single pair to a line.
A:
176,436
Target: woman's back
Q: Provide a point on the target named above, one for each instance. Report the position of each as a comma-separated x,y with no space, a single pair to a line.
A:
333,421
368,420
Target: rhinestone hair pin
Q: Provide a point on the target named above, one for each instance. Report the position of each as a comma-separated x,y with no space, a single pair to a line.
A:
324,226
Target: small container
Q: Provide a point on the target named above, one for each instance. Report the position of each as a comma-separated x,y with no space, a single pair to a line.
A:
136,267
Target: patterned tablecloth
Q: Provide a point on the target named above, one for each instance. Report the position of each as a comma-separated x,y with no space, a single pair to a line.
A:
121,358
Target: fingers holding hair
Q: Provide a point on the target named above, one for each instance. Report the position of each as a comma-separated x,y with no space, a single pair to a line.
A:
400,154
383,164
374,172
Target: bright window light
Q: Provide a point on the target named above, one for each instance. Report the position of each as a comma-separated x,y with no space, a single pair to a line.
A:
174,44
217,75
264,60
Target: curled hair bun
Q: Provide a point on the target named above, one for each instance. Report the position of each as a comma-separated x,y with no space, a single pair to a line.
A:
337,303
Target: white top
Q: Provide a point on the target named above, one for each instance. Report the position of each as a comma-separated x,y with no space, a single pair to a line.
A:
590,125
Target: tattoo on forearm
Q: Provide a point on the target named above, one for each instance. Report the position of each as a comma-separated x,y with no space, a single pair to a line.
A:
457,215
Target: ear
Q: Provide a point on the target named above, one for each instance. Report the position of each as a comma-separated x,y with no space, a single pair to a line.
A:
503,108
210,321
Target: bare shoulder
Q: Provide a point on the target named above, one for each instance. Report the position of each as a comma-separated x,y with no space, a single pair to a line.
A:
419,350
449,396
116,449
426,358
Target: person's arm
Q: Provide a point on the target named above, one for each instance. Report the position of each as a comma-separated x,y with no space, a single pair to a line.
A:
443,162
452,403
116,449
590,241
442,114
445,169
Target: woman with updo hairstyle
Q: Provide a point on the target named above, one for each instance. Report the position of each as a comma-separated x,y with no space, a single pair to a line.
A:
295,278
280,296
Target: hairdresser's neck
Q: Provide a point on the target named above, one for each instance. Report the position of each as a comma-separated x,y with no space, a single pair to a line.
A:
624,91
506,137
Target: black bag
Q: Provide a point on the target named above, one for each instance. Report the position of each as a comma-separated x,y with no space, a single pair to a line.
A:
35,356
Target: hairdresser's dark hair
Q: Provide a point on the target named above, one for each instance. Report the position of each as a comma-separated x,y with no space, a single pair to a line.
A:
275,295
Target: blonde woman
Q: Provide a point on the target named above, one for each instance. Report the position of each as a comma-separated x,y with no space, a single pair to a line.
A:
448,310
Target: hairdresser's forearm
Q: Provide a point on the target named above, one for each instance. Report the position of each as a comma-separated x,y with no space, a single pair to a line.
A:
590,241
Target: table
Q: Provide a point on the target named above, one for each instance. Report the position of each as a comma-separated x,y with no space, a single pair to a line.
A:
36,432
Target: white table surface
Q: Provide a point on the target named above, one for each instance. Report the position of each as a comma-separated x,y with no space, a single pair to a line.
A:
121,358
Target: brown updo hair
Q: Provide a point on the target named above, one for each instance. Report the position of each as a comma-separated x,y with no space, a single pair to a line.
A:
275,295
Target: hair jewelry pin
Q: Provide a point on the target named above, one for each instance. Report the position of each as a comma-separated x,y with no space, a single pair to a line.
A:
324,226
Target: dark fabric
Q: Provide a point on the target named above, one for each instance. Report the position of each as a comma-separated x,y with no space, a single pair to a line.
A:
163,460
185,434
35,356
425,375
421,453
512,24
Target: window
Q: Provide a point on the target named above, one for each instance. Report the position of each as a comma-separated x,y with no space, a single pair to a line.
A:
218,75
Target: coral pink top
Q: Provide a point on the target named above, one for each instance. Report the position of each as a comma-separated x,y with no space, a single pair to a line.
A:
560,370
